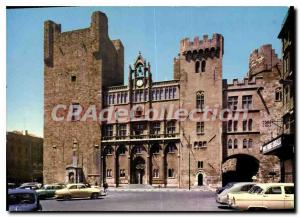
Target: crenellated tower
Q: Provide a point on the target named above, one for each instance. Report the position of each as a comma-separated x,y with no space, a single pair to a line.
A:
199,69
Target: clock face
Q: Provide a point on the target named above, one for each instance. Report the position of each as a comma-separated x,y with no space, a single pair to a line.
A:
139,83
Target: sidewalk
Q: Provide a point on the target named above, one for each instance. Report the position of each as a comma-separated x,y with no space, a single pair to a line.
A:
199,189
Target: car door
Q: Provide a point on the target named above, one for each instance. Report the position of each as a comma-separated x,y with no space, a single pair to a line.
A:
83,191
288,197
74,191
273,198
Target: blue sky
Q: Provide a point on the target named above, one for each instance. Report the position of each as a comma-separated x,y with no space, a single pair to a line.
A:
155,31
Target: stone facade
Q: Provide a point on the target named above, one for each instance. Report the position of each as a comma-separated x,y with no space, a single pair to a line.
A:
84,67
24,157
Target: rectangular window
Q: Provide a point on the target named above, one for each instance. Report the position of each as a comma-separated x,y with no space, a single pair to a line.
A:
200,100
229,126
121,130
171,128
235,126
174,92
244,125
170,173
247,102
155,128
166,93
232,102
108,130
200,127
200,164
161,94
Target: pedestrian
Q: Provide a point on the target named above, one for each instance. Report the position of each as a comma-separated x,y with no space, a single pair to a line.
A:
105,187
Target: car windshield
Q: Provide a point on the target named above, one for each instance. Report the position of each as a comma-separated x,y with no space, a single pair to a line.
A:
21,198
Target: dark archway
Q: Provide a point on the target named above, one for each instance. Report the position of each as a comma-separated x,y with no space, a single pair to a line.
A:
200,179
246,167
137,170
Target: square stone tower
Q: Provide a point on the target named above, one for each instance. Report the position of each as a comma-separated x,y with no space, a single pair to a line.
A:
199,68
77,66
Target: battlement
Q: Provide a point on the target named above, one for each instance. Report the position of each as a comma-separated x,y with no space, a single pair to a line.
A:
263,59
204,45
245,83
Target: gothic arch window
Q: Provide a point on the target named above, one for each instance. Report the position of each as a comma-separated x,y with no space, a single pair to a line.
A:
278,94
170,173
171,148
200,100
235,144
122,150
250,143
197,66
203,65
138,112
229,144
245,145
108,150
189,56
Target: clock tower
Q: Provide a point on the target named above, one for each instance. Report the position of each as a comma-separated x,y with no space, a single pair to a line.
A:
140,75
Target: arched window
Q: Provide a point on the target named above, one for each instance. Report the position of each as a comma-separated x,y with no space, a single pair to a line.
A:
278,94
197,66
203,64
250,143
171,148
108,150
229,144
235,144
138,112
122,150
245,145
250,125
155,173
200,100
170,173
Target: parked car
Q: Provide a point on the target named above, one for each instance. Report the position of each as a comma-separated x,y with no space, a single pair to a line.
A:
30,185
23,200
48,191
239,187
221,189
78,191
268,196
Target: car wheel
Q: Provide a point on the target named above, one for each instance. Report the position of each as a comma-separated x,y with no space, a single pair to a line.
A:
94,196
67,197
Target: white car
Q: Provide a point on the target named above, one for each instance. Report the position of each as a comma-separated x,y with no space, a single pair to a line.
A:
239,187
269,196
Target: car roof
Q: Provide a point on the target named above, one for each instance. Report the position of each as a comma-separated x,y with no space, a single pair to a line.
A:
20,191
266,185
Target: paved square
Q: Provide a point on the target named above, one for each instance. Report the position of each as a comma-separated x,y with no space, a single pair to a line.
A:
140,201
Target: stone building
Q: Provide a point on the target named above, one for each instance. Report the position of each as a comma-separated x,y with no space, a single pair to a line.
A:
161,133
24,157
283,145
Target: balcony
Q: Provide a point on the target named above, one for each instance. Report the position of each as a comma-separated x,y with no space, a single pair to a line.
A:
142,137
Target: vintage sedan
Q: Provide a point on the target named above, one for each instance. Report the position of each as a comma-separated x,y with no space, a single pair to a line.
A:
236,188
268,196
78,191
48,191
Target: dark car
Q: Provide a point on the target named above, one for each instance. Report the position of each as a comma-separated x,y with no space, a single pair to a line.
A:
30,185
229,185
23,200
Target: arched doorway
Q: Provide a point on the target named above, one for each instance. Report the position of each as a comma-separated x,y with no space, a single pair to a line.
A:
138,170
200,179
242,168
